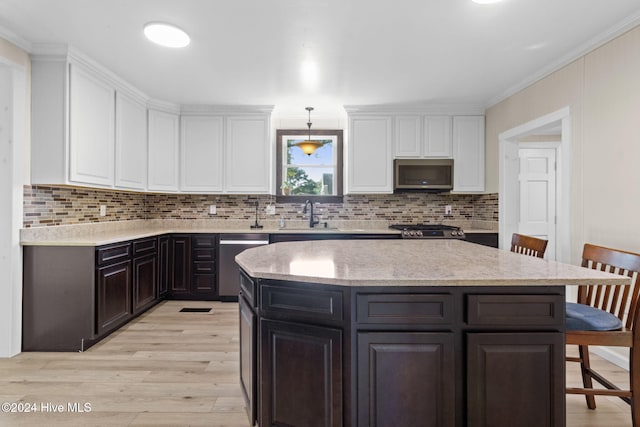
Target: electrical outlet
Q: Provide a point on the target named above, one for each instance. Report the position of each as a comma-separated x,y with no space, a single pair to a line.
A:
103,210
212,209
447,210
270,209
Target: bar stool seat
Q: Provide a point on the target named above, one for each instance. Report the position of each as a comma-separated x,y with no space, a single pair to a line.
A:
581,317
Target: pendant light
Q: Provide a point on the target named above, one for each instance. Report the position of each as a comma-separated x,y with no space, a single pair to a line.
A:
308,147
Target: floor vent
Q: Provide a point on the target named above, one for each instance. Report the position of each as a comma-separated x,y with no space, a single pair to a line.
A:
195,310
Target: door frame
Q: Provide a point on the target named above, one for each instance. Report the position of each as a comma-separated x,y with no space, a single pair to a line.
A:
11,214
509,199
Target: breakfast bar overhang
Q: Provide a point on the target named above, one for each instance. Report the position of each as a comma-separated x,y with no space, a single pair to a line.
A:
403,333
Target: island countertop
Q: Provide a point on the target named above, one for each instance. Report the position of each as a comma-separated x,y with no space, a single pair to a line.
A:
411,263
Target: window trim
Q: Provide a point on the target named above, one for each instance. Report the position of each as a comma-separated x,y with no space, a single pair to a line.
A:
338,198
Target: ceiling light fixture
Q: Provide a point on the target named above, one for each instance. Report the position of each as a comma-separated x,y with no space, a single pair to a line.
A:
486,1
308,147
166,34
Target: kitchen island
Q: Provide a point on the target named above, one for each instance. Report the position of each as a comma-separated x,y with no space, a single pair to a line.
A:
403,333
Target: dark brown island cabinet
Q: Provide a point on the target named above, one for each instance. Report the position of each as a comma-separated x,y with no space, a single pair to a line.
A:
327,355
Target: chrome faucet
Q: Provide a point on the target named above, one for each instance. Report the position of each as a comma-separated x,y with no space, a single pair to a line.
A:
312,220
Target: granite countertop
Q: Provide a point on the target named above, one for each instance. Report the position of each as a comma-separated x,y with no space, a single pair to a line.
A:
104,233
411,263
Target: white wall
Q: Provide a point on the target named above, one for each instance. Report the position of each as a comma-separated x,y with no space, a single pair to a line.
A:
14,142
602,89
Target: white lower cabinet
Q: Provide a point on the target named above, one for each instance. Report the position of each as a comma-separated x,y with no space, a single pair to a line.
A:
370,156
247,169
201,149
131,143
164,140
468,154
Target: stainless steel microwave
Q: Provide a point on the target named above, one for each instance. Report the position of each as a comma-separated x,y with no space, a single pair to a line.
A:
433,175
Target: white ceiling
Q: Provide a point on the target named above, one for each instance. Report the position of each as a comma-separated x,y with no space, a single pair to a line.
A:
366,51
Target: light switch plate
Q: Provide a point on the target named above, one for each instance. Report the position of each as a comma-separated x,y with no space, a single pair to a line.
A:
103,210
212,209
270,209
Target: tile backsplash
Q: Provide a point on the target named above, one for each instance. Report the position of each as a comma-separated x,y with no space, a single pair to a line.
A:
51,206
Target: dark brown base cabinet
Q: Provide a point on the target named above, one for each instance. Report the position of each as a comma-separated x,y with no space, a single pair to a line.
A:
113,297
401,356
486,239
75,296
193,267
164,277
179,266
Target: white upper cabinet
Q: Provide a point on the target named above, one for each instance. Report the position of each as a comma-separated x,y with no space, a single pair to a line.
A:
91,128
248,165
163,151
468,153
370,161
201,148
73,125
91,134
88,128
419,136
408,136
437,137
131,143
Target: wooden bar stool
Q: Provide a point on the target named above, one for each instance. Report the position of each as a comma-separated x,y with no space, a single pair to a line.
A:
528,245
607,315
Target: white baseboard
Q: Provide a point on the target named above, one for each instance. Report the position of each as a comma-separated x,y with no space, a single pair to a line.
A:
611,356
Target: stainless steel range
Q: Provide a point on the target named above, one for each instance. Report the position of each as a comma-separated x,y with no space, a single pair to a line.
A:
429,231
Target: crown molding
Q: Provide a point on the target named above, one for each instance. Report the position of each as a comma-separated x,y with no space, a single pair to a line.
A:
49,51
225,109
420,108
167,107
12,37
601,39
58,52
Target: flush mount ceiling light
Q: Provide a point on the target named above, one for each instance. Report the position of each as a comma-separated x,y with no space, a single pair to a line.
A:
166,34
486,1
309,146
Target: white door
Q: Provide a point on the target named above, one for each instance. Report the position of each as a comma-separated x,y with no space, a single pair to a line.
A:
537,180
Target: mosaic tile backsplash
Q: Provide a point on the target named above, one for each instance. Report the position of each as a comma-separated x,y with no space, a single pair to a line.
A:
51,206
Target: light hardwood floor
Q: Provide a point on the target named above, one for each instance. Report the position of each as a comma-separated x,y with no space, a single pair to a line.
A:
168,368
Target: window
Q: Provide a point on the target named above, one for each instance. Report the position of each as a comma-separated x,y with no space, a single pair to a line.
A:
299,176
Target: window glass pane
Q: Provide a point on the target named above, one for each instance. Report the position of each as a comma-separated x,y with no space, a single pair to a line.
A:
304,175
311,180
322,155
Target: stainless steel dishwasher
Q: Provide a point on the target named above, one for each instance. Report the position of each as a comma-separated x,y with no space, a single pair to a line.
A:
231,245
